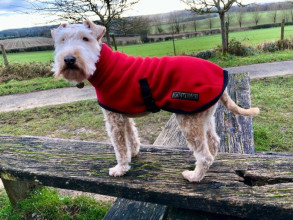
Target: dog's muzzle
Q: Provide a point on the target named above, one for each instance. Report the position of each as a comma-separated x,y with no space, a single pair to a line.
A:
70,61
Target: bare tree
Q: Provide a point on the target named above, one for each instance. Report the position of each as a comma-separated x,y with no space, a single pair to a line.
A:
285,15
175,20
157,21
102,11
214,6
209,21
141,26
273,15
256,14
240,16
273,12
122,26
194,21
229,18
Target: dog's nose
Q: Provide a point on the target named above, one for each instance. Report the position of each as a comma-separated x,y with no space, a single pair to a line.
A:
69,60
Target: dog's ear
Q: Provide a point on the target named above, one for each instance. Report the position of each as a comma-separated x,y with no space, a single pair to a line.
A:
98,30
55,30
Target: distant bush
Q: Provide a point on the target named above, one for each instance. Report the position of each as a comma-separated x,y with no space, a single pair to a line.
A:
205,54
22,71
267,47
286,44
238,49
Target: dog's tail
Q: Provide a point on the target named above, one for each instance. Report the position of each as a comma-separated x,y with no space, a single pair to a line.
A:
231,105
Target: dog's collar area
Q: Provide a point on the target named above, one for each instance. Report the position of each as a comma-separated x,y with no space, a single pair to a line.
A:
80,85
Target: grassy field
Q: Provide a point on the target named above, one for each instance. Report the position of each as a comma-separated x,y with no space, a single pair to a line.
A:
273,127
38,56
184,46
36,84
46,203
197,44
265,18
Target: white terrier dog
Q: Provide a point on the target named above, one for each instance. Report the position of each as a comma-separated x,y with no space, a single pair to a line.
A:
129,87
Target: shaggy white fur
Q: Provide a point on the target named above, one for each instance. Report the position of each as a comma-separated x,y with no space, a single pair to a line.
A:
83,42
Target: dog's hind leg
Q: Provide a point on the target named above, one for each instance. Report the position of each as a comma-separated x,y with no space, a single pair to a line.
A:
116,128
195,127
132,137
212,136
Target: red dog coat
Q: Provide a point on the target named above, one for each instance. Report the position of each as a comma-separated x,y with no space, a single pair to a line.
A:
133,85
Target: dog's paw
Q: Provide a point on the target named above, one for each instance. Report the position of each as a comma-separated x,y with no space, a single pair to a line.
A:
134,153
118,170
192,176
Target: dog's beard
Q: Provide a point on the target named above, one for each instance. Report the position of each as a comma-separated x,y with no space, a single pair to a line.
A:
77,73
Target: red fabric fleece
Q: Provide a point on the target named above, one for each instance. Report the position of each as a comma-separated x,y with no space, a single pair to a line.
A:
178,84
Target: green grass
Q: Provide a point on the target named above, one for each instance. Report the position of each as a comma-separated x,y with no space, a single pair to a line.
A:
46,203
273,127
37,56
263,57
80,120
36,84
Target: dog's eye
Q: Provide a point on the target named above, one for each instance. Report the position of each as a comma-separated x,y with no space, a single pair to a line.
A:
85,39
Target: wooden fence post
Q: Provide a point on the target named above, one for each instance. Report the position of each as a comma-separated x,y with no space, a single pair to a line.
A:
236,132
4,55
282,34
114,41
227,34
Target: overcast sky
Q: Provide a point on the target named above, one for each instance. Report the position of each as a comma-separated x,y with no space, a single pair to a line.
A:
11,15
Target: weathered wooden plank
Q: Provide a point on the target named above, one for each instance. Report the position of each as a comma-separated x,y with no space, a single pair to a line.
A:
236,132
129,209
156,176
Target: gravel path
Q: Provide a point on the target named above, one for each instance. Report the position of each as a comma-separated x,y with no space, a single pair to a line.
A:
265,69
45,98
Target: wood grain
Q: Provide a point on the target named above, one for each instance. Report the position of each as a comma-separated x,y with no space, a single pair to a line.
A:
248,186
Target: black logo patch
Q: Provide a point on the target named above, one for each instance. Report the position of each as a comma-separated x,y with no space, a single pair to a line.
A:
185,96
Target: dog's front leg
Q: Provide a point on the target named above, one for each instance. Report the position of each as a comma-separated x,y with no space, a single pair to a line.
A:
132,137
116,128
